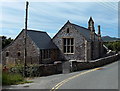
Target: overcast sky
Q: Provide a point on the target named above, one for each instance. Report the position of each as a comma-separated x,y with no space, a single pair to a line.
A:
51,16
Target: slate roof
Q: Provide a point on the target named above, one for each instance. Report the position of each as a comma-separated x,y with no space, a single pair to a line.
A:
41,39
84,31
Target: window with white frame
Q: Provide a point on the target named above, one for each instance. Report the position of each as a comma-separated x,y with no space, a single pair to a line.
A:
68,45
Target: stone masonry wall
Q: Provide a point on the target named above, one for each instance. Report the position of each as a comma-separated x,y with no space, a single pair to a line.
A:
88,51
95,51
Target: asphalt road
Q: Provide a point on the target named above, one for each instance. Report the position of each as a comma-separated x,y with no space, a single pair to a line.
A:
105,78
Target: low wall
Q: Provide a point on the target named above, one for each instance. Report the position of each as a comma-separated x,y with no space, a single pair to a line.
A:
77,66
39,70
50,69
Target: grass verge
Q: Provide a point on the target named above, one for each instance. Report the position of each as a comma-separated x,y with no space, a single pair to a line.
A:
13,79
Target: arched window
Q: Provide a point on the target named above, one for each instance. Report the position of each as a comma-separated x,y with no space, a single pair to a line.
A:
7,54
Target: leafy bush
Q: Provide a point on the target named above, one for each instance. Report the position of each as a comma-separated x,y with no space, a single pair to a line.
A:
17,69
114,46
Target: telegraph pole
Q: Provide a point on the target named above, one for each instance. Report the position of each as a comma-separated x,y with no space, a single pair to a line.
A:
25,58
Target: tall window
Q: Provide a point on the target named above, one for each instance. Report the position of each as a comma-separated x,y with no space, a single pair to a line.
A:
67,30
68,45
45,54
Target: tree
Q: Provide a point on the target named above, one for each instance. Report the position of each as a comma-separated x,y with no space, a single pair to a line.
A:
6,41
114,46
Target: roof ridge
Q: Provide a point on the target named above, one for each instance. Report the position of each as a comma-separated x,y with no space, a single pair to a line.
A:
79,26
83,27
35,30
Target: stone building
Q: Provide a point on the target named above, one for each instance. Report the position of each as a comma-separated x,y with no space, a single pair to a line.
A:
40,49
78,43
72,42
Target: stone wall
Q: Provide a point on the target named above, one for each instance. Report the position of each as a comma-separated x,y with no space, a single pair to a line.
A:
39,70
79,41
77,66
57,67
95,50
87,51
18,45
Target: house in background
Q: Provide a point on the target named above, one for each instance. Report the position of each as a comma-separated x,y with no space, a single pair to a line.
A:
72,42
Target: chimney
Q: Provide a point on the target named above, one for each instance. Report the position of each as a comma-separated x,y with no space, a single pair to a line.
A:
91,24
99,33
91,28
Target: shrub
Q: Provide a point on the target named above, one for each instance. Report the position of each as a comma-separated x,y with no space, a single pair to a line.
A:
114,46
